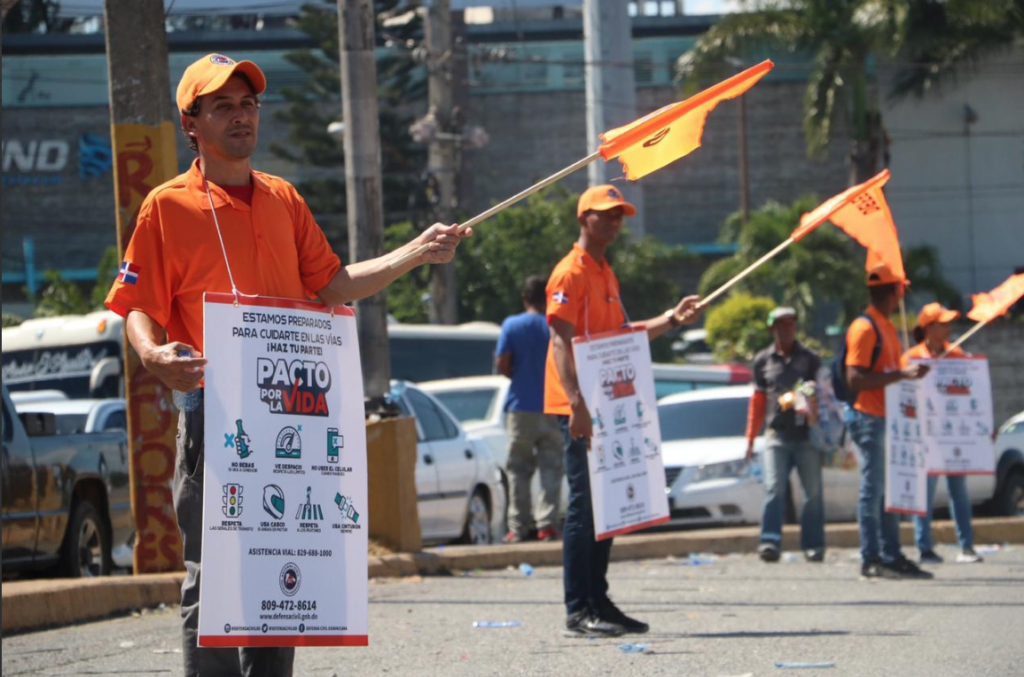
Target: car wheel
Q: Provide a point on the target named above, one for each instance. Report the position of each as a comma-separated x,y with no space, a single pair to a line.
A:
478,520
1010,501
86,550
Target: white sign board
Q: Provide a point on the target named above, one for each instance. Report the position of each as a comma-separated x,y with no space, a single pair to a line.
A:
627,476
958,417
938,425
906,472
285,494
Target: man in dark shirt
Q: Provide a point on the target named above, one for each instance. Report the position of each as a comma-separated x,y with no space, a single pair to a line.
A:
791,408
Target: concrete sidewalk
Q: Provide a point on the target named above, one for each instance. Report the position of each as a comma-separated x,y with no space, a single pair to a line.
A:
28,605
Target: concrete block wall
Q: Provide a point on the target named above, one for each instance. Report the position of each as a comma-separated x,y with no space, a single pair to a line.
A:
1003,344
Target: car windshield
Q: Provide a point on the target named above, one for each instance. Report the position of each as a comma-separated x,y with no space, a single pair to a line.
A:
702,419
468,405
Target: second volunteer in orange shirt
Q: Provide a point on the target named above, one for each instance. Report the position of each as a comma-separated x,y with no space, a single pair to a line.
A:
583,299
872,363
932,336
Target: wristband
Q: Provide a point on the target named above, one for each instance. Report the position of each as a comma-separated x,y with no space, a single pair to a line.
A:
673,321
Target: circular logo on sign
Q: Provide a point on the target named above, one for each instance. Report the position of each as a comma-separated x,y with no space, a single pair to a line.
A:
630,492
302,628
227,628
221,60
266,628
290,579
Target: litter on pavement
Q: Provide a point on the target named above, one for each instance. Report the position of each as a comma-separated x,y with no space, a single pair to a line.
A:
496,624
526,569
634,648
804,666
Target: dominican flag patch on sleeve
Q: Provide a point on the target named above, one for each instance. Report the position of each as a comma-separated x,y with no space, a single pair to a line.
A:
560,297
129,273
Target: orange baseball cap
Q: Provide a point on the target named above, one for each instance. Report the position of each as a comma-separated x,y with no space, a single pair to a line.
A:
211,73
880,274
603,198
936,312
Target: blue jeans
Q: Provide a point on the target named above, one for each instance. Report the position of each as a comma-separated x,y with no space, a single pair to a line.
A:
779,460
960,506
585,560
868,435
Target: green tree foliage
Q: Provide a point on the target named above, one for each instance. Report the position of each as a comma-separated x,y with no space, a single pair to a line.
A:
106,271
737,328
11,320
935,37
60,297
530,240
943,37
316,103
824,270
924,269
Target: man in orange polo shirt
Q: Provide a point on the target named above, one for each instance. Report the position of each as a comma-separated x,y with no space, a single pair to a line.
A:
223,227
583,299
873,354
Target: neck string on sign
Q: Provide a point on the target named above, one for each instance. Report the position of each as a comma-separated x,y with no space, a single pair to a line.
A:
223,249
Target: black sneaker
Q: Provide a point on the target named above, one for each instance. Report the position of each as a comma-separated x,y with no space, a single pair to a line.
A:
587,624
904,568
931,557
816,555
612,614
875,569
768,552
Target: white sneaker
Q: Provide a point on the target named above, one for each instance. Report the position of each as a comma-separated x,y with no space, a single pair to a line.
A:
968,556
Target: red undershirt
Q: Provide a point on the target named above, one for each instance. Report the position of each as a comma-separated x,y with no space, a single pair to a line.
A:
243,193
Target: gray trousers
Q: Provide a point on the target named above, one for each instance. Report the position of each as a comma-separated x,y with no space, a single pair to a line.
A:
535,443
188,504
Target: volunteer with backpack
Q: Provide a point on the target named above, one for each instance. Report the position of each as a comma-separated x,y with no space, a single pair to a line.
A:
932,336
871,357
784,378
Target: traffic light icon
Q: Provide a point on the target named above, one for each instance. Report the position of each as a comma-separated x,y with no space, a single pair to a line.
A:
232,501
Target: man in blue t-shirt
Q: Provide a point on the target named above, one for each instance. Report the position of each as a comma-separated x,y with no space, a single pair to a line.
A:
535,439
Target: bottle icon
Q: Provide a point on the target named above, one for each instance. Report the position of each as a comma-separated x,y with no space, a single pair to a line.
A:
242,441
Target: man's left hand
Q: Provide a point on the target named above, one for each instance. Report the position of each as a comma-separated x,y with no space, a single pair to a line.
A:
688,310
442,240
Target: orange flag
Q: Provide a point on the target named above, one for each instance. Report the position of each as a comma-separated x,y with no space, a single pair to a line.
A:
989,306
863,213
664,136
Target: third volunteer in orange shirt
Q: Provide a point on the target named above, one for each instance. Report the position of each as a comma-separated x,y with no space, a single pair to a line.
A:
583,299
873,362
932,336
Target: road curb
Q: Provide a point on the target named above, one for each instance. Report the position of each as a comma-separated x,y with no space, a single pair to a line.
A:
30,605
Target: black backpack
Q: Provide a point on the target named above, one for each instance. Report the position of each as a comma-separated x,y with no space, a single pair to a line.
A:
842,389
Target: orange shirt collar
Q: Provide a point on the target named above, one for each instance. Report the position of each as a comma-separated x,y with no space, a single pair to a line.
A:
588,261
196,186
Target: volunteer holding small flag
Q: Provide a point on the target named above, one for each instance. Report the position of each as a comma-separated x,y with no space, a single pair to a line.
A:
932,335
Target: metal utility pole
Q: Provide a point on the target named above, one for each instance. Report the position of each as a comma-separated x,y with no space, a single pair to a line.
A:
744,173
444,150
145,156
611,89
363,181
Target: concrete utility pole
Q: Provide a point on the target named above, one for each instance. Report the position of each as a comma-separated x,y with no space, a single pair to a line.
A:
611,90
145,156
363,181
444,150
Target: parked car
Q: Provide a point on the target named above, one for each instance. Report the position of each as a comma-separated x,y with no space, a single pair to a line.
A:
1009,497
458,485
709,482
66,502
479,404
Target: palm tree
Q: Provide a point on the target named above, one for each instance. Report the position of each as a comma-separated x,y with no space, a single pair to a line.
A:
941,37
931,39
840,36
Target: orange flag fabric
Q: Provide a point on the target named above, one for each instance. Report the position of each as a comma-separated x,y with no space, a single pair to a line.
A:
989,306
863,213
667,134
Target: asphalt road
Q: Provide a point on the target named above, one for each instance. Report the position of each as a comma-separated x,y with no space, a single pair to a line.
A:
732,617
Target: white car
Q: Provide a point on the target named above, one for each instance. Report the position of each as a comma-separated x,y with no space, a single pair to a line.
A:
708,481
479,404
458,485
1009,497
